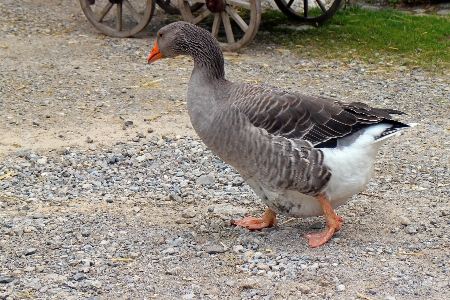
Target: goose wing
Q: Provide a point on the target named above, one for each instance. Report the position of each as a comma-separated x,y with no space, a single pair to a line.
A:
319,120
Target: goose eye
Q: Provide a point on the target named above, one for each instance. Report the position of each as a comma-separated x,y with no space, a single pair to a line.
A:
160,35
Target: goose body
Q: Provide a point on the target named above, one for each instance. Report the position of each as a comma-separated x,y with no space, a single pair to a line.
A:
302,155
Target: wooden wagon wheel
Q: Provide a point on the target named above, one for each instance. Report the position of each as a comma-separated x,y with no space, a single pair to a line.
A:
233,22
169,7
314,11
118,18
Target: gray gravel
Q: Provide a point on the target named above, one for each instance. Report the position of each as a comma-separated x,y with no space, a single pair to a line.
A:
107,193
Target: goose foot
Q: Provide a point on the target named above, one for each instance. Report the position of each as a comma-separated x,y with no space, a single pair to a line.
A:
267,220
333,224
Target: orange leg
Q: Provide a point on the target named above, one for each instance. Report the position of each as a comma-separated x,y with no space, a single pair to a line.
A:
333,224
251,223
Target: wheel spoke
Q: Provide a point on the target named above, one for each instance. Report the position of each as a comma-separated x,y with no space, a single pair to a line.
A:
228,29
290,3
216,25
202,16
105,10
322,6
133,11
239,3
237,18
305,8
119,17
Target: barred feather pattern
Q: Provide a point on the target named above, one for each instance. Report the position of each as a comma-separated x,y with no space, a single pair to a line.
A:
277,162
295,115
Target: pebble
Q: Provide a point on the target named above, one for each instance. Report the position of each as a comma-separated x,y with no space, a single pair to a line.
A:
89,140
128,123
317,225
238,248
214,249
340,288
189,213
6,279
411,229
404,220
206,179
30,251
306,289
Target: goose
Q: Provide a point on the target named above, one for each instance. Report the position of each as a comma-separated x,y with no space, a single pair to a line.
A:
302,155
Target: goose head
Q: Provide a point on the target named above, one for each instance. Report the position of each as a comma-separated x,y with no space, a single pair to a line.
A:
182,38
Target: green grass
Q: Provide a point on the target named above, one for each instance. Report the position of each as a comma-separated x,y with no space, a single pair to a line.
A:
368,35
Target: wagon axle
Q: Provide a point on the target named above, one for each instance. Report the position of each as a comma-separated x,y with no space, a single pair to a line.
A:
216,6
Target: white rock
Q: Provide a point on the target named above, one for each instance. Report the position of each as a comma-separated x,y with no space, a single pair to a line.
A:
340,288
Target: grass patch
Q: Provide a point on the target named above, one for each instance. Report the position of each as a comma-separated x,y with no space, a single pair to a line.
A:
367,35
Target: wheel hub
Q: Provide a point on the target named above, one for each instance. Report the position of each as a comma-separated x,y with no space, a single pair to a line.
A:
215,6
116,1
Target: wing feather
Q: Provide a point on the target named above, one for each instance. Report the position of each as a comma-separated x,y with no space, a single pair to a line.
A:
318,120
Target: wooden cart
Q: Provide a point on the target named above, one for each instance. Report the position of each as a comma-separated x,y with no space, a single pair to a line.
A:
233,22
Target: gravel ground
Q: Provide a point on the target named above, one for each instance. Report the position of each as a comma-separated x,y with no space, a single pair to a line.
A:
106,192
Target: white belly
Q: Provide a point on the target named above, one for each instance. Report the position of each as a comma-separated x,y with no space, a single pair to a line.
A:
351,168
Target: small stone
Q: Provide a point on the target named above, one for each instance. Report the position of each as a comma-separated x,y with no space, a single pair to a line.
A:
340,288
237,248
63,151
6,279
79,276
206,179
411,229
30,251
404,220
96,283
150,130
263,267
188,213
136,139
248,284
128,123
140,135
230,282
136,209
172,271
304,288
41,161
55,277
86,233
317,225
390,298
36,123
29,269
214,249
170,250
89,140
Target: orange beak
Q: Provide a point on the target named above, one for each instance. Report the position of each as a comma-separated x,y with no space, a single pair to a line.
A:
155,54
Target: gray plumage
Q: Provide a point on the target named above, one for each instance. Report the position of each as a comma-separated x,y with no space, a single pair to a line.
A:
275,138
